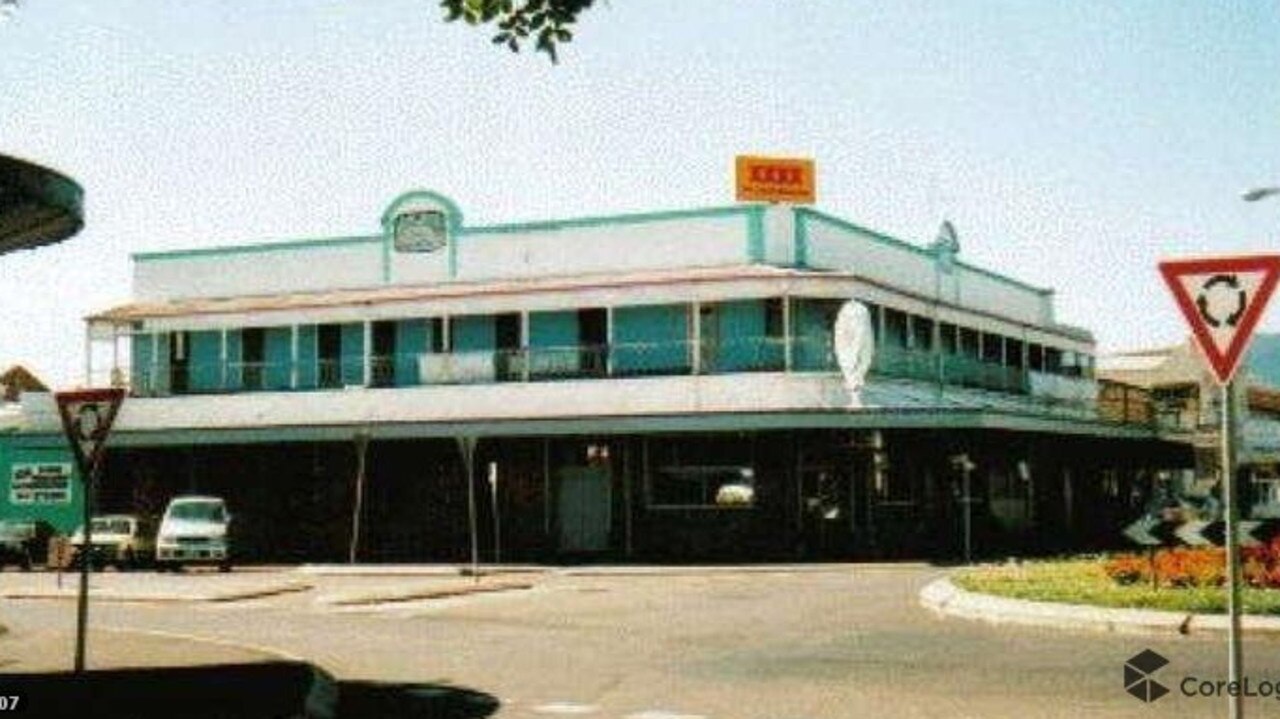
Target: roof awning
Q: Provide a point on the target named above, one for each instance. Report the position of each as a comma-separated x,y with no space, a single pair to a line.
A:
37,205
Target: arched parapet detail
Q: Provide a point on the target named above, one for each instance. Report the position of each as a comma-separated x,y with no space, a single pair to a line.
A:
417,201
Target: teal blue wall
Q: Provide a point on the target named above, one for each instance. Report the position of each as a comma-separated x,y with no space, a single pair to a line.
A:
307,374
353,354
65,517
277,352
740,335
473,333
162,366
813,337
553,329
140,360
411,341
650,339
235,354
205,361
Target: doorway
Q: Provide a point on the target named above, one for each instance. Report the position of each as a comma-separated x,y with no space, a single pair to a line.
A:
827,511
585,503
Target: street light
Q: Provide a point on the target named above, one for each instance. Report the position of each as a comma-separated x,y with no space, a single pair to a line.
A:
1258,193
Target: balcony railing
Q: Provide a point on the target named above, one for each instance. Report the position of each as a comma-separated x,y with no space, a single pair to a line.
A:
620,359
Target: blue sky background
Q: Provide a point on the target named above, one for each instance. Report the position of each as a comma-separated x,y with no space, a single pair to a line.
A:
1072,144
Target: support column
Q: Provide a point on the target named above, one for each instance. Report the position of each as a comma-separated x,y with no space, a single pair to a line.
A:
88,354
696,333
608,341
626,497
222,359
117,380
546,488
368,354
154,372
787,341
525,351
293,357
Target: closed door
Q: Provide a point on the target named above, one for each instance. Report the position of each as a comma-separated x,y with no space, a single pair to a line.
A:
584,504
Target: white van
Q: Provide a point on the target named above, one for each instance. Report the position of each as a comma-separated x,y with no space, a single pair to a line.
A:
194,530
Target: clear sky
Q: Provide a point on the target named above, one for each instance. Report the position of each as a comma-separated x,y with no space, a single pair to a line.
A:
1073,144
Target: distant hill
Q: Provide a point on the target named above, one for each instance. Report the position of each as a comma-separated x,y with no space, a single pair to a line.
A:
1263,360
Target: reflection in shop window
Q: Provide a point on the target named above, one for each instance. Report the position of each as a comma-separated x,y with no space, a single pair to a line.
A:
702,486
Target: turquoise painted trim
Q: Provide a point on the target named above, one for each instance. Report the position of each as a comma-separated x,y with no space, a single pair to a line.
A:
456,229
453,213
755,233
801,256
224,250
386,261
903,245
453,227
605,220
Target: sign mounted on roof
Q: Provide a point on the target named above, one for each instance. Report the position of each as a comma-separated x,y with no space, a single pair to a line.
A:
774,179
1222,299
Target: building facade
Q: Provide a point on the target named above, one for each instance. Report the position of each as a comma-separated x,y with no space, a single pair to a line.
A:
1172,387
654,386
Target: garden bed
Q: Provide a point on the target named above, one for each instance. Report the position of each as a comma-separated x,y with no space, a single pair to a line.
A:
1085,580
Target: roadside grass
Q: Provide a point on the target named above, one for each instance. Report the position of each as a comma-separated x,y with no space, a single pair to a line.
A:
1083,581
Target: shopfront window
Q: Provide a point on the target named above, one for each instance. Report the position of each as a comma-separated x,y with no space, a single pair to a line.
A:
722,487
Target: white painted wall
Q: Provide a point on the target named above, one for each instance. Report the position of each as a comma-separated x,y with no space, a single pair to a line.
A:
688,242
278,270
420,268
838,248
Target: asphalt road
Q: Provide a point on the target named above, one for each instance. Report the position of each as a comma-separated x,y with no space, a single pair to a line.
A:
851,641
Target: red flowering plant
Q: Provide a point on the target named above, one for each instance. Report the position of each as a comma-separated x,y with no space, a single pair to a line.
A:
1198,567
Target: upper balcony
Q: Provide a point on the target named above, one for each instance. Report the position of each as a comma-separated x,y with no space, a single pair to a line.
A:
620,360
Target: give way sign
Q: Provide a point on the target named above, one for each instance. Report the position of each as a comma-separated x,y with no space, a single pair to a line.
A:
1222,299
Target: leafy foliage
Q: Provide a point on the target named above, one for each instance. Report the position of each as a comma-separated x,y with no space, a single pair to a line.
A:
545,22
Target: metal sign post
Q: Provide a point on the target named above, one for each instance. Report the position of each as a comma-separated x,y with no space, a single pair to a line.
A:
362,449
497,522
966,467
1222,299
467,445
87,416
1235,654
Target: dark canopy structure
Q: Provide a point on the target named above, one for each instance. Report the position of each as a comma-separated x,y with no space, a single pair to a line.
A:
37,205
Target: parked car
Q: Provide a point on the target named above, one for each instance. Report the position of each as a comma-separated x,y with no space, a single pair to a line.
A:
125,541
24,542
194,530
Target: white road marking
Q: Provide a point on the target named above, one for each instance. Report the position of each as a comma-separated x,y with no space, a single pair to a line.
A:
566,708
661,714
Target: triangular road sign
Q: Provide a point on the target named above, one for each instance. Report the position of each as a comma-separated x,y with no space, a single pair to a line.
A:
87,416
1222,299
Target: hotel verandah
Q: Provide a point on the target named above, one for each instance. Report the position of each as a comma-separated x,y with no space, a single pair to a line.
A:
657,386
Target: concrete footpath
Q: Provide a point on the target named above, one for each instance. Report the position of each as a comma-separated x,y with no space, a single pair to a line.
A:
946,599
54,651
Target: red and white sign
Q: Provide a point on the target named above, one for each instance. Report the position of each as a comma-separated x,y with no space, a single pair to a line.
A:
87,416
1222,299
